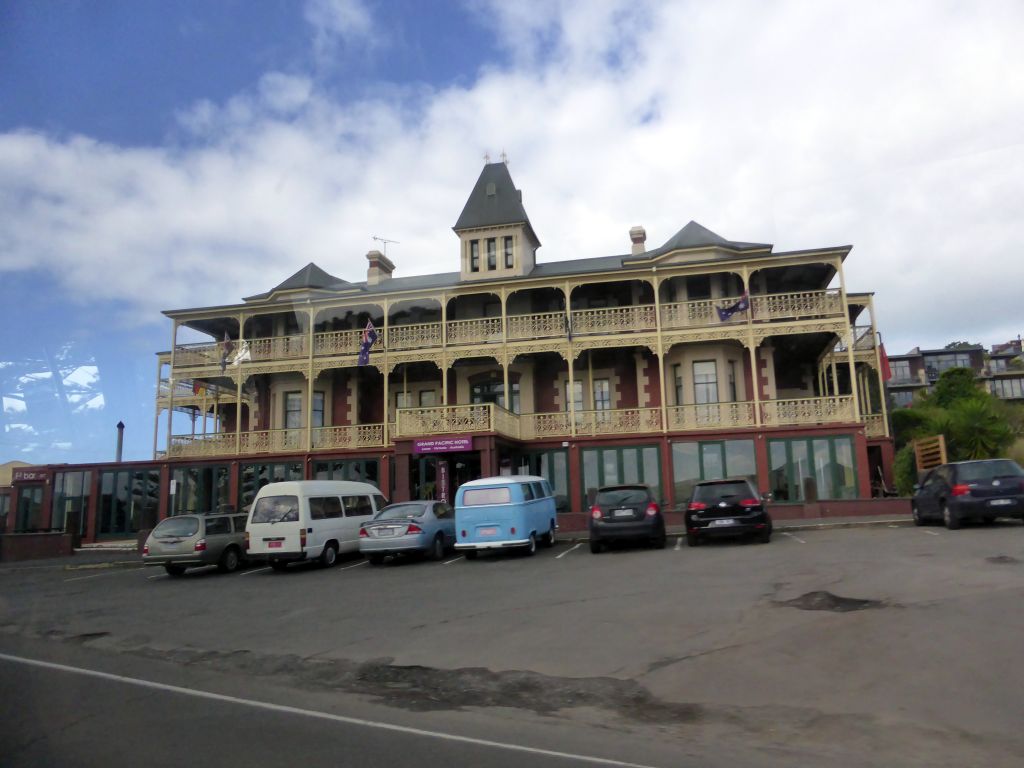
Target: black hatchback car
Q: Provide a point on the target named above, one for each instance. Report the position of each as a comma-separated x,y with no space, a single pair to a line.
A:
730,507
625,513
970,490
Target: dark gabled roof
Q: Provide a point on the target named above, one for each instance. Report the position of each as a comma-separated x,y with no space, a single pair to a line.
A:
309,278
694,235
494,201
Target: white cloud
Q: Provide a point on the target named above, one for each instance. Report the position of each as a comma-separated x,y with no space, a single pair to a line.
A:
83,376
14,405
25,429
795,123
94,403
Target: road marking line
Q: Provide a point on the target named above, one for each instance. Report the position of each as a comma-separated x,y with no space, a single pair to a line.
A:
158,576
460,557
931,533
105,573
256,570
284,709
784,533
363,562
570,549
679,544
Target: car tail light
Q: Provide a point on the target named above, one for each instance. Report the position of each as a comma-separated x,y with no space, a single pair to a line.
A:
961,489
302,537
749,503
145,549
246,541
463,534
200,546
413,528
512,531
363,534
696,506
595,512
652,509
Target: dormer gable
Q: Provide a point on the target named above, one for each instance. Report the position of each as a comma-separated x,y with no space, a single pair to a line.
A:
308,282
496,238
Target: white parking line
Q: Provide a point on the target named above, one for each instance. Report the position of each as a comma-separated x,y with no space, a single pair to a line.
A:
570,549
255,570
105,573
460,557
784,533
362,562
679,544
157,576
317,714
932,533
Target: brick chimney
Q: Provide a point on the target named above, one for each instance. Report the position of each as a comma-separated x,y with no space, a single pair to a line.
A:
380,268
638,235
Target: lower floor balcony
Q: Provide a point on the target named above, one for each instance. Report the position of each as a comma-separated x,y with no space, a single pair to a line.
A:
490,418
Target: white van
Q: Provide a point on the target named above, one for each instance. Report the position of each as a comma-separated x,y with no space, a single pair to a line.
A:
309,520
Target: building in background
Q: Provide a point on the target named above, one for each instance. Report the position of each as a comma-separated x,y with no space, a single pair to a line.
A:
697,359
1000,370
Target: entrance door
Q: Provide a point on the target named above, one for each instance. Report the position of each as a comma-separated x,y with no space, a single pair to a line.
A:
30,508
426,472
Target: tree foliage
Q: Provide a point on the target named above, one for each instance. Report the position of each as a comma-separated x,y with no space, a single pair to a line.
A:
961,345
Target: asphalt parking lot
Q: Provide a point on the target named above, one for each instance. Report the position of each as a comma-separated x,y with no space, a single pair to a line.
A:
868,646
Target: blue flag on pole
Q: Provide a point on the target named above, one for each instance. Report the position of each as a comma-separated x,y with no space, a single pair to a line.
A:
724,313
369,339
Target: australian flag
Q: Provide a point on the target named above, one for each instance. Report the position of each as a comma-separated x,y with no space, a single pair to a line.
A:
724,313
369,339
226,349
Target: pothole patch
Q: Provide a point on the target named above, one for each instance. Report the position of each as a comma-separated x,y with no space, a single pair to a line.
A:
821,600
1002,560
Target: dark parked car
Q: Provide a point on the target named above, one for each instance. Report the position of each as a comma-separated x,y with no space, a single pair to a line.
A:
184,541
623,513
730,507
979,490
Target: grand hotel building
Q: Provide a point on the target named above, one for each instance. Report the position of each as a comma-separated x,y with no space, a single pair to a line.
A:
700,358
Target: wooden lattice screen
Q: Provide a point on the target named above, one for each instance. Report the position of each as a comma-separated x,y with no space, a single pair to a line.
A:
930,452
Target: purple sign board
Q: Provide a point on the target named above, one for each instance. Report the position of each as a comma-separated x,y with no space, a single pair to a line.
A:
442,444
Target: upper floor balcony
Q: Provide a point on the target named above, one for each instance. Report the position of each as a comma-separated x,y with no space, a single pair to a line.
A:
574,324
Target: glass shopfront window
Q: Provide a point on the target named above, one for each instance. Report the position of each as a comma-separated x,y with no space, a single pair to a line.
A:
618,466
359,470
710,460
129,500
30,509
812,469
255,476
553,466
200,488
70,501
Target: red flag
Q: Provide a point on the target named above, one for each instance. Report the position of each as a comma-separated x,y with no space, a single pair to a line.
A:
884,361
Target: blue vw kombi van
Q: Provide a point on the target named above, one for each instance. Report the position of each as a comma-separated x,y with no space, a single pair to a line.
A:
502,512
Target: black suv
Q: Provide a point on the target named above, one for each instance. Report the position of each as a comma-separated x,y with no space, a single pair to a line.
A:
981,490
625,512
730,507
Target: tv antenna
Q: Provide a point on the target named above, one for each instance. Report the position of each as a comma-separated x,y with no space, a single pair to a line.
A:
385,241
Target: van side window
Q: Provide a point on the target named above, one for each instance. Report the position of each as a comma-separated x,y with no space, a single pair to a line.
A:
357,506
527,491
324,507
538,490
215,525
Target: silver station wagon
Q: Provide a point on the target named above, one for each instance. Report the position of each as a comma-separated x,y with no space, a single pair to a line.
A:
184,541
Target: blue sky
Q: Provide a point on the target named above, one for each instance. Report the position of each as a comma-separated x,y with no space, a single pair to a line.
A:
159,155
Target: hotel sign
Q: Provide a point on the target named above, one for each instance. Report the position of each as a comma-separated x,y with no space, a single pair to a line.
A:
442,444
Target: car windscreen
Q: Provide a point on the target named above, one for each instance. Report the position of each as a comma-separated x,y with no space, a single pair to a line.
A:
618,496
401,511
276,509
473,497
987,470
716,492
177,526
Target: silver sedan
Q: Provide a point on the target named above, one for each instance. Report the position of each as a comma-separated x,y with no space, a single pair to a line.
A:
409,527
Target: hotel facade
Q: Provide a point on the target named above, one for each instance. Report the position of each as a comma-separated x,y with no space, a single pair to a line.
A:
700,358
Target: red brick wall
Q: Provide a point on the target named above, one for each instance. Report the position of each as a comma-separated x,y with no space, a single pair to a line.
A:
652,380
625,372
340,407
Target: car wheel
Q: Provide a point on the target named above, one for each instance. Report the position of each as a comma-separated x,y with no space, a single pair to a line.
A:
531,546
918,520
765,536
949,518
329,556
174,570
375,559
549,537
659,541
228,561
692,540
437,550
471,554
596,547
278,565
